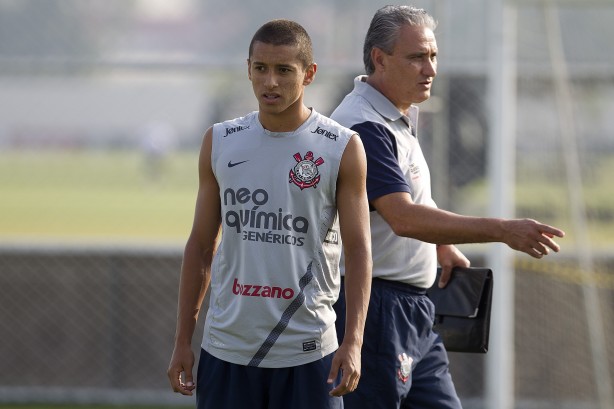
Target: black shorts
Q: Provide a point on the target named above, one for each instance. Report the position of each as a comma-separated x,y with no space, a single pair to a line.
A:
223,385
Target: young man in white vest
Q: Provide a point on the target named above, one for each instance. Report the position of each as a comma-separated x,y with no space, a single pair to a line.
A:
284,184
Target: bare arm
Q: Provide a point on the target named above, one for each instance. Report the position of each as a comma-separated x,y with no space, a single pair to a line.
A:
353,210
195,271
442,227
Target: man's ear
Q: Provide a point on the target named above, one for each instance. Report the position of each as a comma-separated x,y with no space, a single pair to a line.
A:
310,73
378,57
249,71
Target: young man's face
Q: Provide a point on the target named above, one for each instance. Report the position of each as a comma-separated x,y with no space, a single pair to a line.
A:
278,77
411,67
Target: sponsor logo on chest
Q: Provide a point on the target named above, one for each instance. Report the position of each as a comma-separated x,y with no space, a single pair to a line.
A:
327,134
230,131
264,291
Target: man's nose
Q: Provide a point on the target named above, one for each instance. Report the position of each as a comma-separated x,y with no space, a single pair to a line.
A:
430,68
271,80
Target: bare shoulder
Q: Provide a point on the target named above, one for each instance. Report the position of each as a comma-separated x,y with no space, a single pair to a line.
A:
354,152
204,161
207,138
353,166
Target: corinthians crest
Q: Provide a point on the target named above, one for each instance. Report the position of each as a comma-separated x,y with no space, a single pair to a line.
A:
404,371
305,173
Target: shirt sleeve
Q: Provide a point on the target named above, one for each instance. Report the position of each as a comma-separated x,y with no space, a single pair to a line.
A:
384,176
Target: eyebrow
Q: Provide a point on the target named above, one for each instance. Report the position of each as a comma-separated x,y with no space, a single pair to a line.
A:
422,53
282,65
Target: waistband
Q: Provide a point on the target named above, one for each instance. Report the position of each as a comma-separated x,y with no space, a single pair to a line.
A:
396,285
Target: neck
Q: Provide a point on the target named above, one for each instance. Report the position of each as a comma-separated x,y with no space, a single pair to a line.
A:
286,121
380,86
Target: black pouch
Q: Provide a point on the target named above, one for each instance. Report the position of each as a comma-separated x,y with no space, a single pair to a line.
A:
462,309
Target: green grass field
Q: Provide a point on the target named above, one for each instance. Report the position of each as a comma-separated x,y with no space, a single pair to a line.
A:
109,197
95,197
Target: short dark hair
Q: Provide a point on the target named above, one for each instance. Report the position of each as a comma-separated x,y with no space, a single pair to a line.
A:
285,32
385,27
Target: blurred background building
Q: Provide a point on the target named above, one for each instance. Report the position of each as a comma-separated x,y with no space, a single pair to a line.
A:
116,94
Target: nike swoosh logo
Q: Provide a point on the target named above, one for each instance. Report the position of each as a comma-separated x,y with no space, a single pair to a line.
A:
230,164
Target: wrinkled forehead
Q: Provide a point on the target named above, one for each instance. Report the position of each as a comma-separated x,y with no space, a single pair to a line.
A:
416,39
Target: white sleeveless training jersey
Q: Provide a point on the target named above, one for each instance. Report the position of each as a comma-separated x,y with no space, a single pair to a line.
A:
275,275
